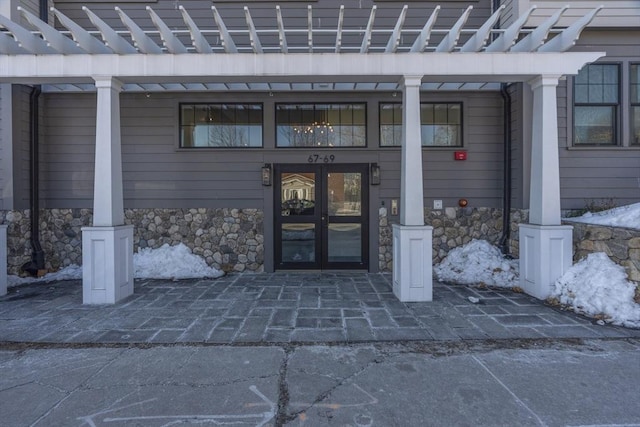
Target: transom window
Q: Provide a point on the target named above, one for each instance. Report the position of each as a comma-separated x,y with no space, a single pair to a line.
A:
596,98
321,125
441,124
634,78
220,125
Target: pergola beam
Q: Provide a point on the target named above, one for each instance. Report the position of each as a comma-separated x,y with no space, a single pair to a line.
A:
434,66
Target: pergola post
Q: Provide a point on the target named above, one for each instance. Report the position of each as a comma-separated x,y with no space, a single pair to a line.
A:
107,246
545,244
412,240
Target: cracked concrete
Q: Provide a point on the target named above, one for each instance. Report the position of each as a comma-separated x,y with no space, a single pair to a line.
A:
507,382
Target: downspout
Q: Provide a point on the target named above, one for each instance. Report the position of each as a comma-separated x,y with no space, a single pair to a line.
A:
37,254
506,175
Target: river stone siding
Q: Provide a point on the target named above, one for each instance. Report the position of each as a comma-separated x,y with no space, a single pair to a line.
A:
228,239
453,227
622,245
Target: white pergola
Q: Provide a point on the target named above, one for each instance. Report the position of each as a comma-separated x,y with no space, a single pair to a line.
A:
111,61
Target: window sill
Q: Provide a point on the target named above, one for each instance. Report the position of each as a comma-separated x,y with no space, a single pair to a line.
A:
218,149
430,148
604,148
107,1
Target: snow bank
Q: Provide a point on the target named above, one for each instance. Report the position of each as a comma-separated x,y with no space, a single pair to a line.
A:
478,262
623,216
71,272
171,262
597,286
166,262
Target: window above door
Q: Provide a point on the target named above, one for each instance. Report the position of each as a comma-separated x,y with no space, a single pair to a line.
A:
321,125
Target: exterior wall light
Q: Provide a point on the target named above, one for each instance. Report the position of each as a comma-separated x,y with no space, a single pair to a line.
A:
375,174
266,175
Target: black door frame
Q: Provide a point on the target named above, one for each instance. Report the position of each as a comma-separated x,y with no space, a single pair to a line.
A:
320,216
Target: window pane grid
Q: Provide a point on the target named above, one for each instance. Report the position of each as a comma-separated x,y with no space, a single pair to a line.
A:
441,124
634,82
220,125
321,125
596,99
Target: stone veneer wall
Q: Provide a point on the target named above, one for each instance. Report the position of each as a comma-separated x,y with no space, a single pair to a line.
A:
453,227
228,239
622,245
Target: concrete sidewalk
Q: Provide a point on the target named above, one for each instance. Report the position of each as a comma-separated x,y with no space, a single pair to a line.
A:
506,383
281,308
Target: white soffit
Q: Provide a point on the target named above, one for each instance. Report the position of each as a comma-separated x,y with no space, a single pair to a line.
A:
248,58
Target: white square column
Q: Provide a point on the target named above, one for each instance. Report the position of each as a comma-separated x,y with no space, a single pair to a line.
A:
412,240
107,246
3,259
107,264
545,255
412,268
546,250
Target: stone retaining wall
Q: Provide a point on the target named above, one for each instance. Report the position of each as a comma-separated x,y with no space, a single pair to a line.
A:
233,239
453,227
622,245
228,239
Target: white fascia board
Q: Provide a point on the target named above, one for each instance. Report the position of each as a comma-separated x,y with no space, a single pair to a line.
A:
140,68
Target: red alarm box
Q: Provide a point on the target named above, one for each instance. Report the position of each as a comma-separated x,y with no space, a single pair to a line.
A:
460,155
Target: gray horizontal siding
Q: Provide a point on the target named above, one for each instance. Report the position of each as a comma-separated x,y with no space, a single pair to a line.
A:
6,181
157,174
20,145
477,179
518,153
510,13
616,13
600,173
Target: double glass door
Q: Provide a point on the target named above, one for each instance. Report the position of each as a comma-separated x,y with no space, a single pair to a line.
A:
321,215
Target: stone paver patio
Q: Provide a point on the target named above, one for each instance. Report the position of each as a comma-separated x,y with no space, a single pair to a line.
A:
284,307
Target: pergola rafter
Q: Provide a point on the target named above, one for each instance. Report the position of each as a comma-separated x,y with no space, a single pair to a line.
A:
217,38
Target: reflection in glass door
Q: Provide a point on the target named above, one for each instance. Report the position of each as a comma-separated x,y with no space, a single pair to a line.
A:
321,216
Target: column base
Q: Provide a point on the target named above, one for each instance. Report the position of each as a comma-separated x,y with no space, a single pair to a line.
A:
546,253
412,265
3,259
107,264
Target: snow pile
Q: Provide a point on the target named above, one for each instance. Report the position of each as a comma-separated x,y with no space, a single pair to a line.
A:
166,262
623,216
171,262
478,262
596,286
71,272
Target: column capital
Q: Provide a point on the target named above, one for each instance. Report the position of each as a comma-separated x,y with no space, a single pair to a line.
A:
108,82
544,80
411,80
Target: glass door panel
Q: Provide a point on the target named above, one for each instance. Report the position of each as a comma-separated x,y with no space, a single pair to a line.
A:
299,243
345,243
298,193
345,234
345,194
